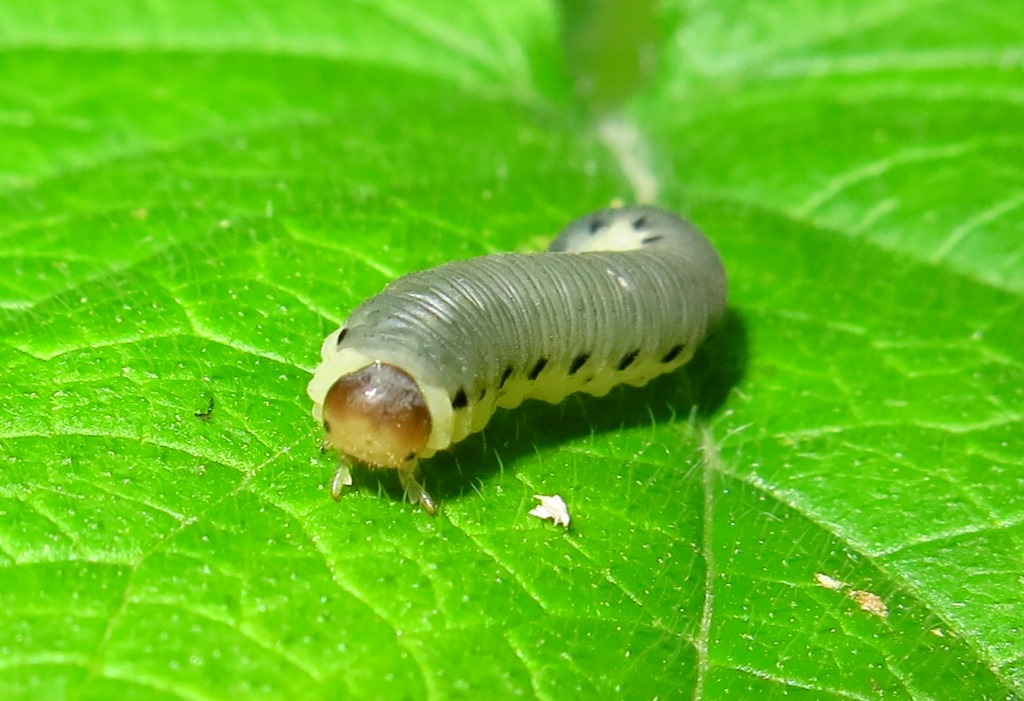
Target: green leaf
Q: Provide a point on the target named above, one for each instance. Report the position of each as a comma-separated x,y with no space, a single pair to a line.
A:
826,504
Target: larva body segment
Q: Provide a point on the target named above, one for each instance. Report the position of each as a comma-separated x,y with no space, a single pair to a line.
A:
621,296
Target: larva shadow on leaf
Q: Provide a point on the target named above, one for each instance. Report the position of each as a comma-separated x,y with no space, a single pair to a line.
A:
620,297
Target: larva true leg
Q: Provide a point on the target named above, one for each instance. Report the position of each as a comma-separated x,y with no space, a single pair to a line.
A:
414,491
342,478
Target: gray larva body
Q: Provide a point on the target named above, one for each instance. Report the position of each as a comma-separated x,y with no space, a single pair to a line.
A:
622,295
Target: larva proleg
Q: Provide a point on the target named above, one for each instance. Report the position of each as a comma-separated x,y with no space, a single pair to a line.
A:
620,296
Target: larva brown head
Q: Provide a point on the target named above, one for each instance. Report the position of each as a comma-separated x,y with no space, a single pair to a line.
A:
378,416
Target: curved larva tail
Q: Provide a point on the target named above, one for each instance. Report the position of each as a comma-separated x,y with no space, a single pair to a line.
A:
633,228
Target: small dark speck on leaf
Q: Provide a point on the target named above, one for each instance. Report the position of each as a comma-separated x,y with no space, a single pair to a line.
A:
205,414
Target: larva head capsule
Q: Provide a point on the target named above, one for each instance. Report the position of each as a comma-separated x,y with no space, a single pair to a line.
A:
377,416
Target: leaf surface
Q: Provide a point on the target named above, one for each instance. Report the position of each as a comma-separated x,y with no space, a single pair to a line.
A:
825,504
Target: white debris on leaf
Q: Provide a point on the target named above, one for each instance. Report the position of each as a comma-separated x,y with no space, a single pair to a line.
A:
872,603
552,507
829,582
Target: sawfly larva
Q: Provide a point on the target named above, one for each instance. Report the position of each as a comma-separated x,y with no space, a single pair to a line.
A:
620,296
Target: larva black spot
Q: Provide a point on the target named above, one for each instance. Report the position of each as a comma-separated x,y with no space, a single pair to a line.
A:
627,360
504,376
341,336
460,401
640,223
651,239
410,456
483,393
327,426
673,353
578,362
537,368
595,225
